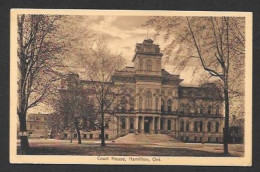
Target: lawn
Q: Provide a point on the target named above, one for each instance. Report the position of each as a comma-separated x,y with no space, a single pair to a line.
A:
112,149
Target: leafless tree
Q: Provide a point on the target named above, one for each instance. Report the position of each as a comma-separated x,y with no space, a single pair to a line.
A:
215,44
73,108
100,66
38,45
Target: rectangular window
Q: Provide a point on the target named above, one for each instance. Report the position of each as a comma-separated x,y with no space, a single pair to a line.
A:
209,140
85,136
65,135
106,136
195,139
99,136
75,135
200,139
91,136
217,140
187,138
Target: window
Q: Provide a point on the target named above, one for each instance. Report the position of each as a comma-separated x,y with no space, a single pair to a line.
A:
169,125
217,127
131,123
217,110
195,126
188,108
209,110
132,104
162,123
31,126
187,138
201,110
65,135
141,64
100,136
217,140
37,118
201,126
140,103
123,123
209,126
91,136
195,139
209,140
187,126
156,103
182,126
106,136
148,100
149,65
162,105
169,106
85,136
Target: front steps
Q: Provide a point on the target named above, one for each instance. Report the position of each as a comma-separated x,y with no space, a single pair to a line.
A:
145,138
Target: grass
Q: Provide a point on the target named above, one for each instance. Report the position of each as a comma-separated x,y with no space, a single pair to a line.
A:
112,149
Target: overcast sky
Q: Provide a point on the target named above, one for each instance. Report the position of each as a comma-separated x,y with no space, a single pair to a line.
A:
123,32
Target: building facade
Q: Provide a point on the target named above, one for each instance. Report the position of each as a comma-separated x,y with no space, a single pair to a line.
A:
160,104
39,125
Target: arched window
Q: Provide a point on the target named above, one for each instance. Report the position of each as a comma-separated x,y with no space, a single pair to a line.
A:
201,109
169,105
209,126
169,125
140,103
217,110
182,126
149,65
217,127
209,110
123,123
187,108
156,103
187,126
141,64
148,100
132,104
195,126
162,105
182,108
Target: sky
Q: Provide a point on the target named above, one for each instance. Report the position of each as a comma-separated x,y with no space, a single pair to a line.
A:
123,32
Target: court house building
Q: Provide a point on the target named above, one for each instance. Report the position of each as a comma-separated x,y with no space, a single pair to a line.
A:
161,105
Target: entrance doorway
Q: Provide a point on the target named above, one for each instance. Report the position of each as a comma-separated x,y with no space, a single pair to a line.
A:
146,126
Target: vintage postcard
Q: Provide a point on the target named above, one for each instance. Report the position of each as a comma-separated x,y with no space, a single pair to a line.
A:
131,87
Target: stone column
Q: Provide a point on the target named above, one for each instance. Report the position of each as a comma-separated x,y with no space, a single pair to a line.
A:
136,124
152,126
172,125
127,124
159,125
142,124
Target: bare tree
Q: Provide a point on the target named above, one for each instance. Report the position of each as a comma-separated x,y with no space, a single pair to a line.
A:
38,45
74,108
216,44
100,66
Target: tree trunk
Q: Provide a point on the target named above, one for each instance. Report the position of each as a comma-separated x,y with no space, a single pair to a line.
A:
226,129
102,131
78,131
71,136
23,138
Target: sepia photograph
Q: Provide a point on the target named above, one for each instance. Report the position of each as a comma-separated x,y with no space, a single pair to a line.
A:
131,87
